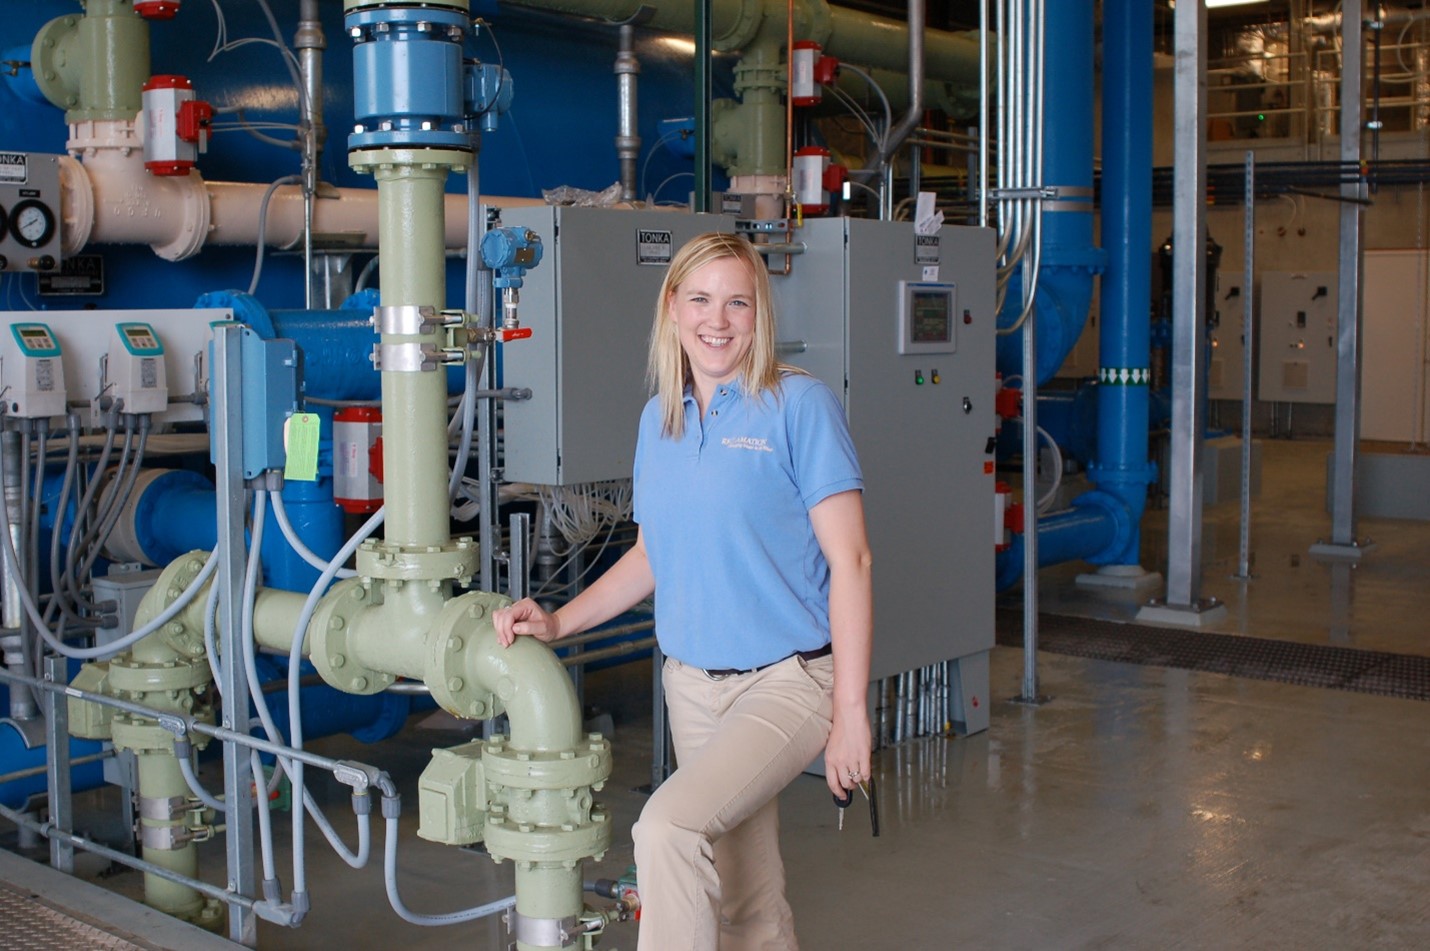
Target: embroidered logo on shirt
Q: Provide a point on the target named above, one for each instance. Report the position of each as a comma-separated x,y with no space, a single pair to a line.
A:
752,443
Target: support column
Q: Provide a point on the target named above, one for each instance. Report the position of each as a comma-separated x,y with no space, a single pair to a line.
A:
1184,604
1343,542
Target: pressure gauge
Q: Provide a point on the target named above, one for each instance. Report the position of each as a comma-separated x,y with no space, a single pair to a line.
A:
4,223
32,223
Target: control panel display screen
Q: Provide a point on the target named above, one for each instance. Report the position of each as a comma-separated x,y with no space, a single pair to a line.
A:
926,317
932,320
37,338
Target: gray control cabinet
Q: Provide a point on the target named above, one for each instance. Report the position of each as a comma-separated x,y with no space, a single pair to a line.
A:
1298,337
589,304
1226,372
29,212
922,423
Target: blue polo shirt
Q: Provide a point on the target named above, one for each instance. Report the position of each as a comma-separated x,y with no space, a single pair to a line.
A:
740,580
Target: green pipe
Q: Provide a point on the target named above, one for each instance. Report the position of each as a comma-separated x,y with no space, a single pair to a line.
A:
848,34
160,779
411,207
754,131
94,66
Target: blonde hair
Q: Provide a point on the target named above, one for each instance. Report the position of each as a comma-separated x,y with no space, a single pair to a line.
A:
668,369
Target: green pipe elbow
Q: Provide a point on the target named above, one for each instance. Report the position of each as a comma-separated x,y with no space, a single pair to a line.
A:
94,66
467,664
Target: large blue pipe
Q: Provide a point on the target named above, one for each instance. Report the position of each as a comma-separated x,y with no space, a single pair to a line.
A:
1087,531
1122,470
1104,526
1070,260
16,754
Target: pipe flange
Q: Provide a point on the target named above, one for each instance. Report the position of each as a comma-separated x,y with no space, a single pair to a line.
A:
328,637
143,735
461,621
506,838
137,679
76,206
456,560
173,581
329,633
140,736
395,162
587,765
197,216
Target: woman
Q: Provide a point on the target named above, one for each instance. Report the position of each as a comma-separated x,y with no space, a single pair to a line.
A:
749,502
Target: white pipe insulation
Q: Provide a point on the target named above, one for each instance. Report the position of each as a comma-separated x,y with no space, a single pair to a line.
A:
109,197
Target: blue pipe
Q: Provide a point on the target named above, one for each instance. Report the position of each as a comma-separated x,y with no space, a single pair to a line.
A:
1122,470
16,753
1070,260
1086,531
336,344
1104,525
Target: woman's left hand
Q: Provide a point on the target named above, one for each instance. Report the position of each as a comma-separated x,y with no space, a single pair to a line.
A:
846,756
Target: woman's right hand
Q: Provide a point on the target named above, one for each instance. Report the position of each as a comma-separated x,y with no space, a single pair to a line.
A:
525,618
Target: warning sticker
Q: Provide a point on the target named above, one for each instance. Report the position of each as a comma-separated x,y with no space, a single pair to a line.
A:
654,247
14,168
926,249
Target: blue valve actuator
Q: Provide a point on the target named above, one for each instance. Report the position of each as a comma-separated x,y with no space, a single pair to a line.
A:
489,90
510,253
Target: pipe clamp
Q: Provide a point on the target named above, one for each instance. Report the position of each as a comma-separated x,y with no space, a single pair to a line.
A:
409,320
161,809
542,932
407,357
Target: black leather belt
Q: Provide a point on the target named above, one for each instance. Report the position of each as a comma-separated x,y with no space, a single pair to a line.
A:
815,654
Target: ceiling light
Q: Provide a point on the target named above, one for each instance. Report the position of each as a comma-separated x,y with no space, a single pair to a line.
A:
1231,3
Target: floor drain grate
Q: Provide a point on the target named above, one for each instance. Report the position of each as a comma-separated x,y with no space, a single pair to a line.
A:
28,924
1310,665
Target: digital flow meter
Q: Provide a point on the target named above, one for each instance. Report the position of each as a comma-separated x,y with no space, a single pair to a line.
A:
134,369
32,374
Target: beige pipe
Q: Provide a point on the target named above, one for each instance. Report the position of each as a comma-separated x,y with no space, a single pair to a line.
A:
109,197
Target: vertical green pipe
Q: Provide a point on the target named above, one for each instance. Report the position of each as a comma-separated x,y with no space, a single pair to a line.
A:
159,778
410,186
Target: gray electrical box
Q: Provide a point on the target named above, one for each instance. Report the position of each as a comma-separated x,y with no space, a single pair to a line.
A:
1298,337
589,305
29,212
1226,372
921,417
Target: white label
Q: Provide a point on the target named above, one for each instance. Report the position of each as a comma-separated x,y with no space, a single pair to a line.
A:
654,247
14,168
926,249
931,272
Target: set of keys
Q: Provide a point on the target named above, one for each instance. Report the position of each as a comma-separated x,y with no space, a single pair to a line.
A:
871,793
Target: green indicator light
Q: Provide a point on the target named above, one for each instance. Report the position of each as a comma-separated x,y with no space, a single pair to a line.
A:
918,378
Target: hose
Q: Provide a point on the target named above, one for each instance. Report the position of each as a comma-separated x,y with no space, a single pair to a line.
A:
263,227
389,875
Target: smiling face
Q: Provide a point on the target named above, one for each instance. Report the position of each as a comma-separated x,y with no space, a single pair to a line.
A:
714,314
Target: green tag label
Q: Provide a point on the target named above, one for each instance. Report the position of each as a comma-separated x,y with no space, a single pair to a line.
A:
300,439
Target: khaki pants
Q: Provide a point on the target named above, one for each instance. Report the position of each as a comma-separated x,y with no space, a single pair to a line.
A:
707,843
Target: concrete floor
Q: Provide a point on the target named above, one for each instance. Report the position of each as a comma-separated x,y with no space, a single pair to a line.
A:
1140,808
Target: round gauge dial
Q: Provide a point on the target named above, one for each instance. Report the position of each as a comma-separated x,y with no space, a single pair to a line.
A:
4,222
32,223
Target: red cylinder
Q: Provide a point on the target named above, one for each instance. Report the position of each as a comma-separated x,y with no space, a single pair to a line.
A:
357,459
810,164
165,151
157,9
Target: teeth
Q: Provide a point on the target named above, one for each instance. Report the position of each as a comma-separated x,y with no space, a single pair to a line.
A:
714,341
